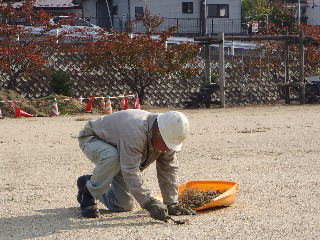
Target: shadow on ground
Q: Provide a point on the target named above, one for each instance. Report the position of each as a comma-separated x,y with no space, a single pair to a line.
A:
52,221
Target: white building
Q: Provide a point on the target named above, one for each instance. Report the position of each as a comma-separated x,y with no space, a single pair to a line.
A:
223,15
313,12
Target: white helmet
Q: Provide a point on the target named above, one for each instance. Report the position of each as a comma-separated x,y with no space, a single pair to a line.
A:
174,128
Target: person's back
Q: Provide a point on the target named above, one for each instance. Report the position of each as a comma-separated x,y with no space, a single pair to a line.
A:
123,144
129,124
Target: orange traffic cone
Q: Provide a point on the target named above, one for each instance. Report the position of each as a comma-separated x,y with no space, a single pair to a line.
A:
108,106
1,116
55,110
137,103
126,103
88,108
122,103
102,105
20,113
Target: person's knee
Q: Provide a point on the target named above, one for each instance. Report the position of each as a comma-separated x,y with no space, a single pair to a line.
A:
110,153
129,206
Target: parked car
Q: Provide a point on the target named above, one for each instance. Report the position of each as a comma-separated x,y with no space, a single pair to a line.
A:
67,26
75,25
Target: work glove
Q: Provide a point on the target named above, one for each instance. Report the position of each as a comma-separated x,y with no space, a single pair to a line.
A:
176,210
157,210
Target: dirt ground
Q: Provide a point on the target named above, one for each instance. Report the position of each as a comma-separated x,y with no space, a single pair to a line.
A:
273,152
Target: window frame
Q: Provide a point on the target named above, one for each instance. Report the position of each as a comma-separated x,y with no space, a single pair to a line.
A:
135,13
186,6
218,8
115,10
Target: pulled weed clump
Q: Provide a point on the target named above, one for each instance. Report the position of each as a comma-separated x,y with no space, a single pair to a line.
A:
194,199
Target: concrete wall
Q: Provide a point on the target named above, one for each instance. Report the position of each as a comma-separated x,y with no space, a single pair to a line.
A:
312,12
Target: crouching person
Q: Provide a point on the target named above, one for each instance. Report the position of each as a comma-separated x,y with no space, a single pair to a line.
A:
123,144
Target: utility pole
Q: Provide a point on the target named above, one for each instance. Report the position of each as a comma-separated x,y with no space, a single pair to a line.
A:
204,16
129,11
109,13
207,46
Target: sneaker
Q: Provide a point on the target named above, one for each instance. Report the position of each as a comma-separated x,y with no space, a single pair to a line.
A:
81,183
87,202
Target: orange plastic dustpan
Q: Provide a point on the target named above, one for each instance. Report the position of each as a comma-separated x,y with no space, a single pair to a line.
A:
227,198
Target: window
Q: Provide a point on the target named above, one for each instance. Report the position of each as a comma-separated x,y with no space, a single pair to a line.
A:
139,12
115,10
218,10
187,7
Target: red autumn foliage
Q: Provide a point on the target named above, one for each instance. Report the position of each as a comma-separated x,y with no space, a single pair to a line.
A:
21,51
139,61
282,22
313,49
150,22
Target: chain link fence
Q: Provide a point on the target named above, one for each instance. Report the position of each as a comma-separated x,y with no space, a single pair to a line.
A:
250,79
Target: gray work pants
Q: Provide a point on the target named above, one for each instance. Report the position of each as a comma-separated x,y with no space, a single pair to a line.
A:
106,184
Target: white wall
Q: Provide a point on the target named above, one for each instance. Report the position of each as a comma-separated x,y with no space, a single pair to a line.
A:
173,8
122,7
89,10
313,13
227,25
170,9
234,7
164,8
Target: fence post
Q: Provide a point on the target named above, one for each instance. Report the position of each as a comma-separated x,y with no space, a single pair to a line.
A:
203,18
222,71
207,63
286,73
302,88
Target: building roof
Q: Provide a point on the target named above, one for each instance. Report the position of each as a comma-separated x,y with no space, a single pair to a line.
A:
52,4
55,3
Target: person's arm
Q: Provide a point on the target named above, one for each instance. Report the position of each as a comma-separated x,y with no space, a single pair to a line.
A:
130,159
167,168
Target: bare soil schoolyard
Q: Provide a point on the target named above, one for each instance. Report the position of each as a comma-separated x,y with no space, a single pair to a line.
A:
272,151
